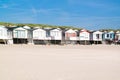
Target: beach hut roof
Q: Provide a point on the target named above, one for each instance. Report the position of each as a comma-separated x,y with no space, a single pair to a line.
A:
57,29
21,28
39,29
18,28
97,32
2,26
105,31
118,32
70,31
26,27
111,32
10,28
76,30
84,30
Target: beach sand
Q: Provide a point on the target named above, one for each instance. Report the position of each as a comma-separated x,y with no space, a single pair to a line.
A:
53,62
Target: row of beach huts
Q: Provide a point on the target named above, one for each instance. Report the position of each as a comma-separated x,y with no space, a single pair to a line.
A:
28,35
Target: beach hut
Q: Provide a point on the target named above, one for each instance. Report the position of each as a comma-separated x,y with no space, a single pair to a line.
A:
117,35
84,36
71,36
39,36
21,35
56,36
97,37
3,34
109,37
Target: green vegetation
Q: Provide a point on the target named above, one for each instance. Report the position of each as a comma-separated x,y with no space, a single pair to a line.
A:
36,25
47,26
110,30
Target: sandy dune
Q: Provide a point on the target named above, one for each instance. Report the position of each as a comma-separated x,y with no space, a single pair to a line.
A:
78,62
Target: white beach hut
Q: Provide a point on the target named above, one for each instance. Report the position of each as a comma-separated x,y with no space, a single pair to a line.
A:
71,36
20,32
117,35
39,36
84,36
5,35
21,35
56,36
97,37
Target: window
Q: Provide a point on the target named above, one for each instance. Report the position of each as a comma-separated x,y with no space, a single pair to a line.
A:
107,35
110,35
19,34
97,36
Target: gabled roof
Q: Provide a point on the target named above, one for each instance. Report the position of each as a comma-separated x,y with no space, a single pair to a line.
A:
111,32
84,30
56,29
21,28
118,32
26,27
97,32
70,31
2,26
39,29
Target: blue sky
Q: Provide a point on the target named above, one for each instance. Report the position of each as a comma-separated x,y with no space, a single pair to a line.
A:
89,14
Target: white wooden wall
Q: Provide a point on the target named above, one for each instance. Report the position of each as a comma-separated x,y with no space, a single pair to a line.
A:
20,33
97,36
84,36
39,34
3,32
56,34
72,33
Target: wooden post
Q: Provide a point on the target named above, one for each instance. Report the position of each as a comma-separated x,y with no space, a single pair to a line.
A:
17,40
4,41
85,42
94,42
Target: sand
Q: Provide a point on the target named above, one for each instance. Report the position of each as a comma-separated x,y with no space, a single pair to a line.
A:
78,62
